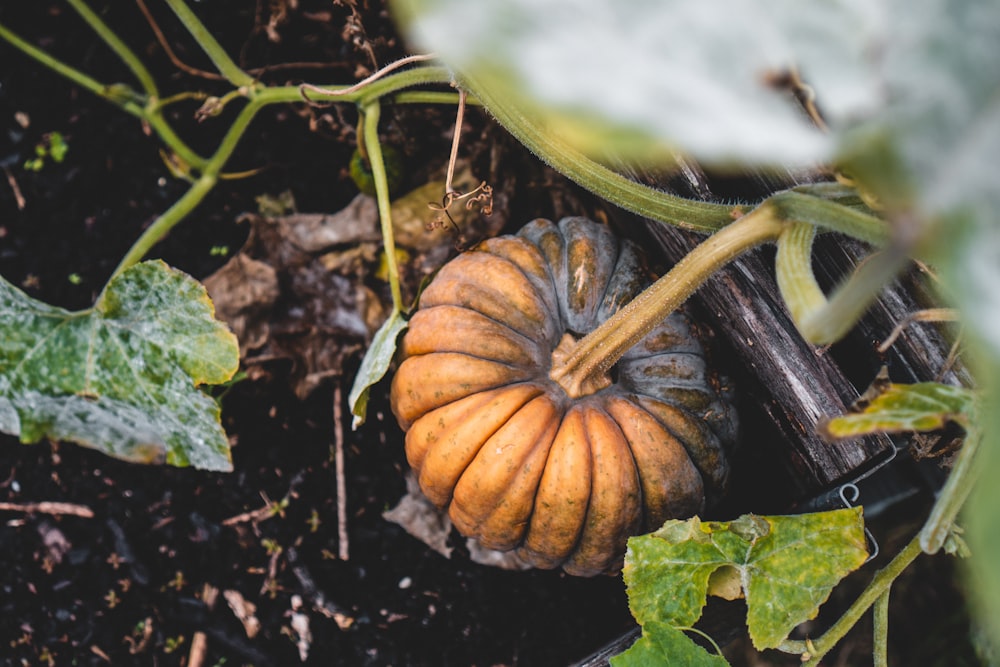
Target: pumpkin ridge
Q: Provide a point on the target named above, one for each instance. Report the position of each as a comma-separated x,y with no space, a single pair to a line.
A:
432,463
712,462
491,297
602,542
488,477
412,398
552,305
579,233
668,476
540,546
526,339
625,251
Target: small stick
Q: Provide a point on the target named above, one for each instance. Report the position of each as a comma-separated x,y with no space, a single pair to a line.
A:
18,197
338,458
270,507
927,315
199,642
46,507
394,65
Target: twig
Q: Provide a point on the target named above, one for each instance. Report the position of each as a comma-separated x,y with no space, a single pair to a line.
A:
199,642
46,507
270,507
338,458
927,315
194,71
253,516
315,596
165,45
394,65
18,197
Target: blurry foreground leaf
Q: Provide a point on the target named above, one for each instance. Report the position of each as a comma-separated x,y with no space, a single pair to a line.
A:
926,406
667,74
375,364
123,376
787,566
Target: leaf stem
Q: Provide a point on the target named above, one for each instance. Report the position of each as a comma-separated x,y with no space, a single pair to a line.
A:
165,222
881,630
110,38
71,73
955,491
794,273
127,100
372,111
821,320
852,298
831,209
195,194
878,586
599,350
223,63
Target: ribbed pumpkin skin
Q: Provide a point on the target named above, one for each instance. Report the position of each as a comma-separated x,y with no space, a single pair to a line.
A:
517,462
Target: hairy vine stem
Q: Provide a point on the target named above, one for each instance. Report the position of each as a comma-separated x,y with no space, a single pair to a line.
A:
372,111
786,212
594,354
812,652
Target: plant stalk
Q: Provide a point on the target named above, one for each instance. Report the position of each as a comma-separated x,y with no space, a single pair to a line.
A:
955,491
372,111
595,353
71,73
878,586
165,222
881,630
794,273
132,103
851,299
211,46
195,194
123,52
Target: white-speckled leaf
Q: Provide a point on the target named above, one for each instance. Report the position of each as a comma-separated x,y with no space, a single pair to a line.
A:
787,566
123,376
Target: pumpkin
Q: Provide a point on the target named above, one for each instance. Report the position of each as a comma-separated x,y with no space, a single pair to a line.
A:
517,462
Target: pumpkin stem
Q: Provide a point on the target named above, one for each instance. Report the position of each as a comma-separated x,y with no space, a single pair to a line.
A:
580,367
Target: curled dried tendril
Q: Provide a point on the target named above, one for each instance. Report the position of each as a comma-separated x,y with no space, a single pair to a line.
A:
334,92
481,198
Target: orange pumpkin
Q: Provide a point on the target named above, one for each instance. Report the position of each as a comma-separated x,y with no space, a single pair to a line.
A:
520,464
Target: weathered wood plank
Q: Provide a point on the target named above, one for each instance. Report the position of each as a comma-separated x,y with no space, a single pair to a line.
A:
800,383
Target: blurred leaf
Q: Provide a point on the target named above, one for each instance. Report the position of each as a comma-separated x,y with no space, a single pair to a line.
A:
121,377
702,77
375,364
926,406
787,565
663,645
980,519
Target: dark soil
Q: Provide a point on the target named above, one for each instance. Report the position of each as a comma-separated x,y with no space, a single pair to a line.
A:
131,584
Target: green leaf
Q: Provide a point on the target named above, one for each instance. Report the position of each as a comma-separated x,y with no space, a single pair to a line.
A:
787,566
906,407
375,364
121,377
663,645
